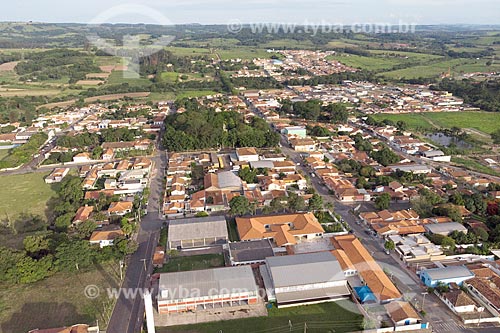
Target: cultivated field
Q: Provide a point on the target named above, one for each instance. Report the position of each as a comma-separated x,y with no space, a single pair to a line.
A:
8,66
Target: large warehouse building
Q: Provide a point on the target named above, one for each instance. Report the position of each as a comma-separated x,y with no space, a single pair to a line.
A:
211,288
197,232
304,278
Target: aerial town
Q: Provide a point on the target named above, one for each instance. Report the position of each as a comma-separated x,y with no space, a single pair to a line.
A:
242,181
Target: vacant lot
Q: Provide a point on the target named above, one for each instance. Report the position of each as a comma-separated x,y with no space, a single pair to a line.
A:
130,77
57,301
336,317
368,63
413,120
24,194
3,153
455,66
8,66
111,97
474,165
28,92
486,122
243,53
180,264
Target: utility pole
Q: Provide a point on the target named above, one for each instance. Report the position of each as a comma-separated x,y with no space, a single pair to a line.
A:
423,301
290,325
121,270
480,315
305,327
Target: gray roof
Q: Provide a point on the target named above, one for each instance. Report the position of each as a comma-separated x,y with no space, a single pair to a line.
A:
255,250
441,228
313,294
302,269
197,228
228,179
433,153
409,167
449,272
262,164
208,282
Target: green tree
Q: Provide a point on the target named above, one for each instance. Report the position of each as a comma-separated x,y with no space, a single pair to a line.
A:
495,136
316,202
482,234
35,244
248,175
329,206
8,261
29,270
86,228
201,214
239,206
74,255
383,201
128,227
276,205
448,243
63,222
385,156
389,245
71,190
296,203
125,246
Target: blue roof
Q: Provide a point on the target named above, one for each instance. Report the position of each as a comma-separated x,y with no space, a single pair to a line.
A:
365,294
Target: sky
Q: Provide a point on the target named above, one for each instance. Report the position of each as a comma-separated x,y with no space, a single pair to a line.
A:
253,11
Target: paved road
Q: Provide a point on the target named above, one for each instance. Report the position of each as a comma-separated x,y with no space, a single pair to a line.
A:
128,314
440,317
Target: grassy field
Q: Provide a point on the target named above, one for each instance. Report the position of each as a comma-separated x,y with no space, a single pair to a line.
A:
474,165
243,53
3,153
413,120
170,77
409,55
188,51
336,317
287,43
24,194
180,264
119,77
456,66
26,93
368,63
195,93
57,301
486,122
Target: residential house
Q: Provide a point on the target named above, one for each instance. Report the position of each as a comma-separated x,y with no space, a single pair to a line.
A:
402,313
56,175
247,154
285,229
105,237
83,214
82,158
120,208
